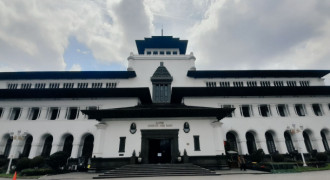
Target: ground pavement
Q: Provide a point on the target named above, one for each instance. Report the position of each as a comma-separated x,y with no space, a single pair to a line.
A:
225,175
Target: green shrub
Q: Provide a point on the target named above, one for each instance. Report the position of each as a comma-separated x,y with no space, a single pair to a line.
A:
36,172
278,158
23,163
37,162
58,160
321,156
258,156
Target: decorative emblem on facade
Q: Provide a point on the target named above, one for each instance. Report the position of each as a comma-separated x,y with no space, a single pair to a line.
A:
132,129
186,127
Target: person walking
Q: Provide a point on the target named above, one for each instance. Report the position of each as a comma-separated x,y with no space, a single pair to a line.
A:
241,163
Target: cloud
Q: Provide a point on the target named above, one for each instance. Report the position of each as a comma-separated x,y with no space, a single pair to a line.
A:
34,34
75,67
262,34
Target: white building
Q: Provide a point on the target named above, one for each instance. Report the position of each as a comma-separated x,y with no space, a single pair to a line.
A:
162,107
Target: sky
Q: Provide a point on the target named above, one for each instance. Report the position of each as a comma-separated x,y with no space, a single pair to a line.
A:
98,35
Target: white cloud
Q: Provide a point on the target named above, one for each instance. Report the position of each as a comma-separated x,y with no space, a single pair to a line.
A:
75,67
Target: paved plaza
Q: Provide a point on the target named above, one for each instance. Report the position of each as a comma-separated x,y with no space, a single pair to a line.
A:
232,174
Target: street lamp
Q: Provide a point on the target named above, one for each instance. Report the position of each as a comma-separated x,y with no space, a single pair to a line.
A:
16,138
293,130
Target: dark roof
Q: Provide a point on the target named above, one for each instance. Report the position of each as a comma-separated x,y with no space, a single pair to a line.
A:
142,93
68,75
161,74
179,92
161,42
159,110
257,73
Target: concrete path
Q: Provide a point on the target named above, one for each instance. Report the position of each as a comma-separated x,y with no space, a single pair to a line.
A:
229,175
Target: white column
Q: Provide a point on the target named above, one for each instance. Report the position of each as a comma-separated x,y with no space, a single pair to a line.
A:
5,114
255,110
56,146
292,111
243,147
218,138
75,150
99,139
281,146
309,109
319,144
300,142
36,149
62,113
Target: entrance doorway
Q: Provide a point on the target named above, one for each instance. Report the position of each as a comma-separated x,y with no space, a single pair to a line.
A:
159,146
159,151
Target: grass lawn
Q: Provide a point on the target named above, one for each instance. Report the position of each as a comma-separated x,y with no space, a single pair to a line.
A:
301,169
4,175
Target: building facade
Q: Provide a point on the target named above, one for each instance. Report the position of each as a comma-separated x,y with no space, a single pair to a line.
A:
162,108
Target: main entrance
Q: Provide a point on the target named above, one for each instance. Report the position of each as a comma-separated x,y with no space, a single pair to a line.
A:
159,146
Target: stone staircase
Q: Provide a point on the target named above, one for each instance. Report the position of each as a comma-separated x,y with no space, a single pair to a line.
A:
152,170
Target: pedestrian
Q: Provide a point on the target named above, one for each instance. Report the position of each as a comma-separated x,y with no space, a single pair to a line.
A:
241,163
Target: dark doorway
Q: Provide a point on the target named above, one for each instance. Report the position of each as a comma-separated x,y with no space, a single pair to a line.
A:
160,151
159,146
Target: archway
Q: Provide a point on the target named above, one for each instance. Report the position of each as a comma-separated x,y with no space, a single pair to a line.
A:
270,142
307,141
9,142
250,142
231,144
27,146
288,142
88,146
324,134
67,147
47,146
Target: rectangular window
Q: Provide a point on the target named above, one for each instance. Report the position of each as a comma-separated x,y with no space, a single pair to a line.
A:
264,83
148,52
196,143
1,111
317,108
53,113
264,110
155,53
304,83
168,52
282,110
175,52
278,83
40,86
238,84
15,113
82,85
251,83
161,52
291,83
97,85
111,85
229,106
224,84
246,111
26,86
34,113
211,84
122,142
68,85
300,109
54,85
12,86
72,113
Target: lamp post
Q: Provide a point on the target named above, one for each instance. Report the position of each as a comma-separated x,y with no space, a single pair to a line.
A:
16,138
293,130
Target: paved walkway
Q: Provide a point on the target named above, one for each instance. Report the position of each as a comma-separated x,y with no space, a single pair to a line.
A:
228,175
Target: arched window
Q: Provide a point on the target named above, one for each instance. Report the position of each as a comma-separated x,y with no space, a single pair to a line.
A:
288,142
27,146
132,128
325,141
250,142
270,143
308,143
67,147
186,127
231,142
8,146
88,146
47,146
